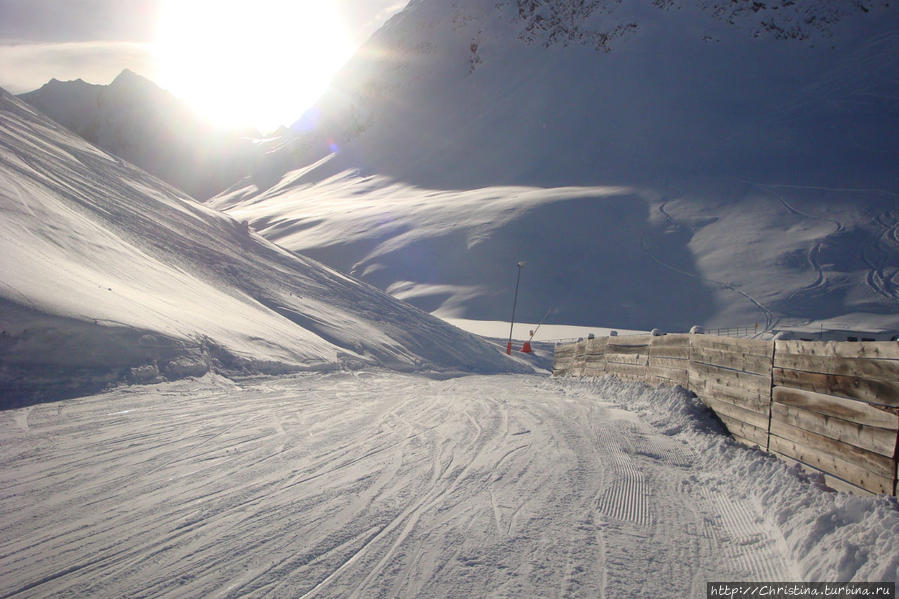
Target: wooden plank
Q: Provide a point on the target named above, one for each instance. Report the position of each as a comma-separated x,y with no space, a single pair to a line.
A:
882,350
755,399
744,430
845,409
878,370
640,359
732,360
627,349
596,346
669,362
755,347
884,370
825,446
723,408
561,365
732,397
878,440
631,341
731,378
562,362
629,371
831,481
831,464
668,376
855,387
671,340
670,351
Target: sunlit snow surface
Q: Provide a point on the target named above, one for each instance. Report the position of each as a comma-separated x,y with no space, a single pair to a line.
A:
380,484
109,274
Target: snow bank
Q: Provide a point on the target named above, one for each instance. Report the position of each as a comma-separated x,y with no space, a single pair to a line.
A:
832,536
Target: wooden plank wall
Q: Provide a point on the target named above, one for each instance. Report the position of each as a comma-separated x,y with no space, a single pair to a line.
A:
628,357
733,377
669,361
835,409
832,407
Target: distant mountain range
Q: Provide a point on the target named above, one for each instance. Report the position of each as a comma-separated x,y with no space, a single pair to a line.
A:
135,119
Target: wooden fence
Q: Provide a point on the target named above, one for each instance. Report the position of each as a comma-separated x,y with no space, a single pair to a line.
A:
832,407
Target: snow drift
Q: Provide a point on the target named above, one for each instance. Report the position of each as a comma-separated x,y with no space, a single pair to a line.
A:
831,536
109,274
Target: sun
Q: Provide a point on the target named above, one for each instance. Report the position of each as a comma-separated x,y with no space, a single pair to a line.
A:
260,63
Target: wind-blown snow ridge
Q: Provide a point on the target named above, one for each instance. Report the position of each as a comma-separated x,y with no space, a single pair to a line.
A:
738,150
108,273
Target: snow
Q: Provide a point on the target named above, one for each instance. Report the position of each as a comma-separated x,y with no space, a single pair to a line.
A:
358,447
136,120
546,333
382,484
718,166
109,274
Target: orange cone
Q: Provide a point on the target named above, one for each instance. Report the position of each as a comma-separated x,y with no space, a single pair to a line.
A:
526,348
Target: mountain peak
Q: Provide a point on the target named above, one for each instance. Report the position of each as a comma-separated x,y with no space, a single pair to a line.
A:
129,77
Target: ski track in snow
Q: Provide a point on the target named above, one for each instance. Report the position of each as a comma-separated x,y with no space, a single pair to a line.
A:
362,485
770,318
873,253
814,252
877,258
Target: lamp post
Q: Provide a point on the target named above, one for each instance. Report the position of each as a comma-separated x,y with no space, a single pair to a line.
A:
514,304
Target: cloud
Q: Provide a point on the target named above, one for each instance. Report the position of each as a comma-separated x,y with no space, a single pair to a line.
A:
27,66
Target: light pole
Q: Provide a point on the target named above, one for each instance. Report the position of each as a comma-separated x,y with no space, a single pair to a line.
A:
514,303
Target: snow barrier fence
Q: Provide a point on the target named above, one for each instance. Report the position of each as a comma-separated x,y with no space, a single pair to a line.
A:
831,407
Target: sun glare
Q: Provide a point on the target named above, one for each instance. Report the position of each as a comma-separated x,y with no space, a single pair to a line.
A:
259,63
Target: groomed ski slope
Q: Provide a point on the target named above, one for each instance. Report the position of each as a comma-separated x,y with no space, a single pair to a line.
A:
376,484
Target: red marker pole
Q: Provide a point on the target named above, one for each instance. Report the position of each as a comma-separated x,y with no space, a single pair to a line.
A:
514,304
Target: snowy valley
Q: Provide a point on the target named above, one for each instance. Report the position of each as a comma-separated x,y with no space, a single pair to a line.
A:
264,394
699,166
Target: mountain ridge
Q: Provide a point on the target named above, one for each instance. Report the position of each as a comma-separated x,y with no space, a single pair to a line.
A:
135,119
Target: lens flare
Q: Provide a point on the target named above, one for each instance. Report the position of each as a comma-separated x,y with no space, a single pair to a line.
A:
260,63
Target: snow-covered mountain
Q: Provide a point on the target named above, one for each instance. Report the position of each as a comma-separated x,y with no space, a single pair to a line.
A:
109,274
135,119
656,162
